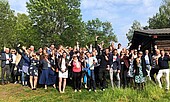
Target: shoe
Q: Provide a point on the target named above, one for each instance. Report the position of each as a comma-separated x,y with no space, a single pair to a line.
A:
3,83
15,82
103,90
54,86
75,90
166,90
85,86
34,89
95,90
79,90
89,90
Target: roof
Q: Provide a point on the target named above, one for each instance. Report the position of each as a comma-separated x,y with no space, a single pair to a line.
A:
165,31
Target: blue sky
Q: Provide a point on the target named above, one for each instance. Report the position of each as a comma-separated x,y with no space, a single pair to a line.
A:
121,13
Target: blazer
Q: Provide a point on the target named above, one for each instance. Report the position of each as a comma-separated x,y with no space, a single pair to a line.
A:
44,63
60,62
115,65
150,58
3,58
143,67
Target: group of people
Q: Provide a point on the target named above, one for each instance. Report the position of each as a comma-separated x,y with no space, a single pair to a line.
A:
86,67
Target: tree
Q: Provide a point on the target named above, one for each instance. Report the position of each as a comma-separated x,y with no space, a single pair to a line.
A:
102,29
135,26
7,24
162,18
58,21
26,33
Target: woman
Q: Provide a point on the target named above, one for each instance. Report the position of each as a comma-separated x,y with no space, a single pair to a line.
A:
48,75
33,71
63,71
25,64
140,71
124,60
84,70
76,67
130,74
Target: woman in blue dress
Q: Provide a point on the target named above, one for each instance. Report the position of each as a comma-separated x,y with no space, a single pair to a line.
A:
33,71
48,76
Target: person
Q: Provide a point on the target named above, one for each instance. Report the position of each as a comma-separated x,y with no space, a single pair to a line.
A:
140,71
119,49
115,68
63,63
130,73
90,62
163,69
76,68
155,66
148,62
104,64
25,64
6,58
13,65
124,61
33,71
84,70
47,76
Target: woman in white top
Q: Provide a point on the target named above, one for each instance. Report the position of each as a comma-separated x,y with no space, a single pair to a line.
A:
63,71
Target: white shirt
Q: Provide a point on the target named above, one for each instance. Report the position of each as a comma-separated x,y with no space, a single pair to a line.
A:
114,58
63,64
7,57
119,50
147,59
14,58
90,62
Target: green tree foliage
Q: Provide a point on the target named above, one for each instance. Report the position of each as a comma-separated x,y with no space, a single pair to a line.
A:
54,21
102,29
26,33
135,26
7,24
58,21
162,18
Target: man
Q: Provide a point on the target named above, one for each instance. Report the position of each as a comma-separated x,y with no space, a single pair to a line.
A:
104,63
49,50
115,65
90,62
119,48
155,66
148,58
163,69
6,58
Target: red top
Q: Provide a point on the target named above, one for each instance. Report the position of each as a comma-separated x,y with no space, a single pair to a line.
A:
76,66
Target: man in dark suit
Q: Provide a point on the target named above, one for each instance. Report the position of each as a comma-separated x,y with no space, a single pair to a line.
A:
6,58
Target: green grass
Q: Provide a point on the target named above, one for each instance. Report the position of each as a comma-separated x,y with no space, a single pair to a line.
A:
18,93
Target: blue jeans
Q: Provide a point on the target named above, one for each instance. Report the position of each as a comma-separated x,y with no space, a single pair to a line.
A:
24,76
91,79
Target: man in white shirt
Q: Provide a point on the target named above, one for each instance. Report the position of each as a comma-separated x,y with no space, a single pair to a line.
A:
90,62
5,65
148,58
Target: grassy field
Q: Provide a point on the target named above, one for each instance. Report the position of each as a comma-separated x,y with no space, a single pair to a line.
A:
18,93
